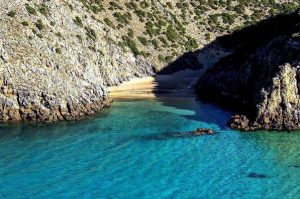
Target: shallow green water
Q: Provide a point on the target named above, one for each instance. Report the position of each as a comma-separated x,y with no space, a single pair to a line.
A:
131,151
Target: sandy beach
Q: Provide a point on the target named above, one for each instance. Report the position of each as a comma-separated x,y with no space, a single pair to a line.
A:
178,84
136,88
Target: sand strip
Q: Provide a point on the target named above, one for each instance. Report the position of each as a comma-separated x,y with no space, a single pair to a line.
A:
179,84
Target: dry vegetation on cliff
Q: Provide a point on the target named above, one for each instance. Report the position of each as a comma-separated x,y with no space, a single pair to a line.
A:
158,30
58,55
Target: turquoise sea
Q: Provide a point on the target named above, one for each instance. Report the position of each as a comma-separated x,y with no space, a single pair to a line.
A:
133,150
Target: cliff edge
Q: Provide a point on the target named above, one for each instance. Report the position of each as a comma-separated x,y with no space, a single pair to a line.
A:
260,80
57,58
53,67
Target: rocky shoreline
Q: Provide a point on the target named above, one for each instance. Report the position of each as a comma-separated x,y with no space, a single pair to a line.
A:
58,72
47,108
260,80
56,66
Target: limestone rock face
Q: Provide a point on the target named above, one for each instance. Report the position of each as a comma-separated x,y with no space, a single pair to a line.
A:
261,82
277,105
52,69
58,57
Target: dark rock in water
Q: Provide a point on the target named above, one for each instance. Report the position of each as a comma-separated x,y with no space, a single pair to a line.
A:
256,175
260,80
201,131
177,135
296,166
240,122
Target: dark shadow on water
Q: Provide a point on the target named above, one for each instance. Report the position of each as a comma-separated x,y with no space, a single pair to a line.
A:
207,113
167,136
257,175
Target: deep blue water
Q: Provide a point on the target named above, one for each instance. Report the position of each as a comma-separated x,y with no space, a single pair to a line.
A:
130,151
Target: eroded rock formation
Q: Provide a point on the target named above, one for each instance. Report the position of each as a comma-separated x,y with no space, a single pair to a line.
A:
52,68
261,78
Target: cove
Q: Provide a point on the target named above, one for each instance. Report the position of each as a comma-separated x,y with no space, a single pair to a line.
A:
128,151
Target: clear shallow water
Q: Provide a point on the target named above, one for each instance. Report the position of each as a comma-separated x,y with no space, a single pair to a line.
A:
129,151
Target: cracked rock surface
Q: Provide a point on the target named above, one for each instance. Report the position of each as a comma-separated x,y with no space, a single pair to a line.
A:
51,74
261,79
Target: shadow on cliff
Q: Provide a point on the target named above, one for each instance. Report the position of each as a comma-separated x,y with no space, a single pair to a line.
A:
246,38
236,46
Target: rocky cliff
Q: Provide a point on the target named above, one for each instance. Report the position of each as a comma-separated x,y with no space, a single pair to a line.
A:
261,78
57,58
54,69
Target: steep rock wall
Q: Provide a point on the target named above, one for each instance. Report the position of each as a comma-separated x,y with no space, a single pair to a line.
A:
260,80
49,72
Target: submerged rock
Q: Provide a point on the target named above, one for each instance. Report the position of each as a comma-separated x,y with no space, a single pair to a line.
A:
201,131
240,122
256,175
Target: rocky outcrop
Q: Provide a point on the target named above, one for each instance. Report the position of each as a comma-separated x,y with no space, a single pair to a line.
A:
57,58
52,68
261,79
201,131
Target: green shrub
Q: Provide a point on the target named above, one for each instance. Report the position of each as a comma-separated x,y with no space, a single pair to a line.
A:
25,23
78,21
79,37
228,18
155,43
191,44
90,33
207,36
30,9
140,13
169,4
122,18
163,40
161,58
151,30
130,43
143,40
168,59
44,9
213,19
71,7
130,33
145,4
58,51
12,13
171,34
288,7
109,22
115,5
58,34
39,24
34,31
